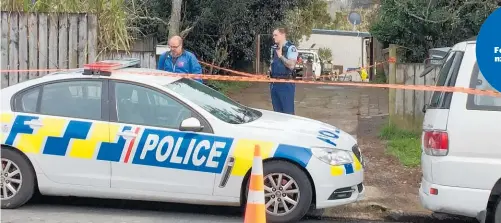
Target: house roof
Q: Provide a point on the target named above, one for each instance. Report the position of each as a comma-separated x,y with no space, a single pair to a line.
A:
340,33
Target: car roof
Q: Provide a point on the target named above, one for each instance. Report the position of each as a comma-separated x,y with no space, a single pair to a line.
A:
460,46
126,74
140,75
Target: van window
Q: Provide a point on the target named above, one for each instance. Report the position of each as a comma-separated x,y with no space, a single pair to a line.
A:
482,102
446,77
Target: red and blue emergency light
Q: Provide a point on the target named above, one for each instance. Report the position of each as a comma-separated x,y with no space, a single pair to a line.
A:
106,66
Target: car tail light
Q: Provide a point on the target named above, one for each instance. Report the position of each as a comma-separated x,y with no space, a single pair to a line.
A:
436,143
433,191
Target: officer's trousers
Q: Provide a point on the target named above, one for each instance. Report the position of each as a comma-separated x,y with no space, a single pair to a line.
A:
282,97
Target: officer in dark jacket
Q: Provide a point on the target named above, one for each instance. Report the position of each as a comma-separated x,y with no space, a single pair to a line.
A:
284,57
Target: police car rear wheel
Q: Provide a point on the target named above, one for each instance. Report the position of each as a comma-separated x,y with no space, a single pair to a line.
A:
17,181
288,192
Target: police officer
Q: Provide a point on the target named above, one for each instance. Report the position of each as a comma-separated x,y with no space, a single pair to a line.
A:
284,57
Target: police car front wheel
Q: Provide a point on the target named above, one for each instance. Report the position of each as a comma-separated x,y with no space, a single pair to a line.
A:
17,180
288,192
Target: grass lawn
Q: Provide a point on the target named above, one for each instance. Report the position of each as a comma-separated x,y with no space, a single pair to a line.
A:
227,87
403,144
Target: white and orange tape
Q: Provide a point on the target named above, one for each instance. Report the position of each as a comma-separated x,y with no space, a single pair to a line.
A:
247,77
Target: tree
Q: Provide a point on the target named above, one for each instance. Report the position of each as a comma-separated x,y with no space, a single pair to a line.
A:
419,25
340,20
325,54
226,35
302,19
223,31
175,17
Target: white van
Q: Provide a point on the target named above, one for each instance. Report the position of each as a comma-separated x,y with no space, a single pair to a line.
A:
303,56
461,159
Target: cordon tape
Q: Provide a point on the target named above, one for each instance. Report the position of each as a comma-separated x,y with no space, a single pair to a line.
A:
247,77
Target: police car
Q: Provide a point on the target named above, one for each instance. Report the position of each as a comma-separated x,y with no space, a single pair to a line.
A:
125,135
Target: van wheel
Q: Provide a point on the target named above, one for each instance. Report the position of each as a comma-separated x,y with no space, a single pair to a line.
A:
17,183
497,212
288,192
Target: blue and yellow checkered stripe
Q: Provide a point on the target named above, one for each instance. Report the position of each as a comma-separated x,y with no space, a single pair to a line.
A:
244,149
99,141
64,137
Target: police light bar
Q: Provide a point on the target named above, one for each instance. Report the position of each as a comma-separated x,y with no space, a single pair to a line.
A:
106,66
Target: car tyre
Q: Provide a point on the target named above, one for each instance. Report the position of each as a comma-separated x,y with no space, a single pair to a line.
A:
24,174
302,182
497,212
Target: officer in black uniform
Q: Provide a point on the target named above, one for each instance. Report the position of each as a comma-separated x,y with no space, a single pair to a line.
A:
284,57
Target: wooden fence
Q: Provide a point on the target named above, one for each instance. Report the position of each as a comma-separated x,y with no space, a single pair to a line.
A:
408,104
43,41
143,49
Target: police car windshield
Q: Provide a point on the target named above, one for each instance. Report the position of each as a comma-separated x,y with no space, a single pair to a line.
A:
214,102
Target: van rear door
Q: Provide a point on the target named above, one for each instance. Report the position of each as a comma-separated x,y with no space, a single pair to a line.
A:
474,156
437,110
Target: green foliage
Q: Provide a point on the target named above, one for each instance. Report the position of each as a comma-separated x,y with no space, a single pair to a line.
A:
380,76
325,54
301,20
219,31
407,151
340,20
222,31
404,145
419,25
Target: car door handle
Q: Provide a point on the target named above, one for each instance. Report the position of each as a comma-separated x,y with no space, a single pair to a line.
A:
127,134
33,123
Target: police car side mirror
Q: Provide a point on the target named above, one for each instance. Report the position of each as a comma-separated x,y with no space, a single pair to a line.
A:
191,124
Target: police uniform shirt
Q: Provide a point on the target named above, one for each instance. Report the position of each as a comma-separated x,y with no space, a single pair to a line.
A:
291,54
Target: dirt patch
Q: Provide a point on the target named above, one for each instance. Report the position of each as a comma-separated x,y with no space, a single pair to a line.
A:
336,106
391,189
383,171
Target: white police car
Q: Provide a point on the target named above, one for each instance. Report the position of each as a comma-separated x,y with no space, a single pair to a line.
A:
143,137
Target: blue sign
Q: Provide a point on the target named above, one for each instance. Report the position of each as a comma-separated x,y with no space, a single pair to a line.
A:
180,150
489,49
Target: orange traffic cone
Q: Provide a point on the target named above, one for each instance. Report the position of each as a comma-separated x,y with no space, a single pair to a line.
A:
255,211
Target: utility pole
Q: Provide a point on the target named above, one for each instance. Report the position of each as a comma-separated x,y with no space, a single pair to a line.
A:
392,76
258,53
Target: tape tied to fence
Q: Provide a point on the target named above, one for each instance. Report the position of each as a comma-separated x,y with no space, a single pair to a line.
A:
350,84
240,73
261,78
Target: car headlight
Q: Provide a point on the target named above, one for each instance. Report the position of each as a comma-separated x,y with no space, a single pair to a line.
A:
332,156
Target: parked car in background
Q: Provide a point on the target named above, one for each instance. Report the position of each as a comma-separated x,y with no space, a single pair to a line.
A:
303,56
